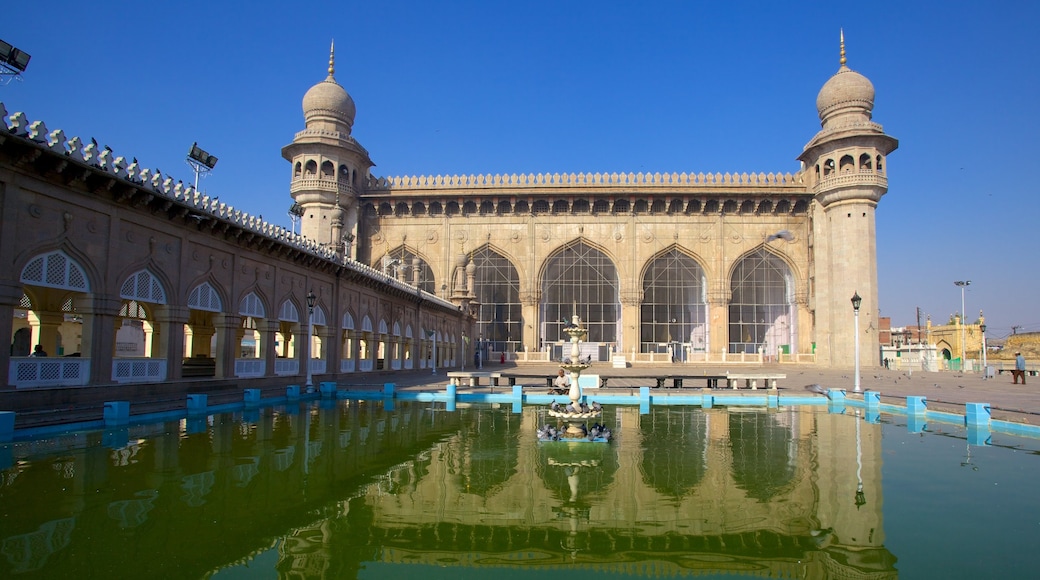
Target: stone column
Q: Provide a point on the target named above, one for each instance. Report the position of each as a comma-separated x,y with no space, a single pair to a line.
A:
631,321
529,306
227,325
100,315
269,328
170,344
330,353
10,297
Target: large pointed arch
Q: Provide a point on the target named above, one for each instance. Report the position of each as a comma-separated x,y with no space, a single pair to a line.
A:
674,309
500,315
762,306
580,279
409,266
252,305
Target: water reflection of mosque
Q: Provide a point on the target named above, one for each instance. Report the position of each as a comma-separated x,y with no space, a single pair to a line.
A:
776,493
334,490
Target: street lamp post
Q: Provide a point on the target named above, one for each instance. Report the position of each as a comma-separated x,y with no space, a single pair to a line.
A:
982,328
962,284
311,299
856,302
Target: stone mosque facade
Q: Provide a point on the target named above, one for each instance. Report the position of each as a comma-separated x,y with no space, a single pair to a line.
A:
686,267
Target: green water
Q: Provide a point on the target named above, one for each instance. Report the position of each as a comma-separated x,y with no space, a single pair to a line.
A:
350,490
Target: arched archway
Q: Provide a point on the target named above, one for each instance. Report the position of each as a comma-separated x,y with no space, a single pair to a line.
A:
762,308
674,311
580,279
500,315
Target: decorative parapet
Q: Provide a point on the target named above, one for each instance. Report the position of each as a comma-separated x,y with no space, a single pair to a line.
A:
584,180
868,127
152,181
862,177
310,184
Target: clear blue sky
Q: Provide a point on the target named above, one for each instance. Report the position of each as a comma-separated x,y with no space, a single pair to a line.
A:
554,86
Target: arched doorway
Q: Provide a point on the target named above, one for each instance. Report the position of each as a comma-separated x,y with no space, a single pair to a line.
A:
762,309
674,311
580,279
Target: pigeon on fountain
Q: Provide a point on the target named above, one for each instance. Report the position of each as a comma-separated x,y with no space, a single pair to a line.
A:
594,432
585,360
543,433
604,432
555,407
567,361
596,406
584,408
570,408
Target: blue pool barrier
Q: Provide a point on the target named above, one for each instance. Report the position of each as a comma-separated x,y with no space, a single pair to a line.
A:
292,392
117,412
916,406
251,397
389,390
451,394
197,403
327,389
872,399
977,414
6,426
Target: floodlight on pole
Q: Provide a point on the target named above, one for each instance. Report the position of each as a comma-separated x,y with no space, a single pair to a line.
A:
201,162
295,214
13,62
962,284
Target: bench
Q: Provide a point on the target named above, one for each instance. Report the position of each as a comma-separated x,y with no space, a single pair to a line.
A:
1029,372
511,379
474,377
751,379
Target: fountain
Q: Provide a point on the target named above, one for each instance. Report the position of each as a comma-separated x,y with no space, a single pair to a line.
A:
577,413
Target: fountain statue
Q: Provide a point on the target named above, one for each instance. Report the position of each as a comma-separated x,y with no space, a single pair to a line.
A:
577,413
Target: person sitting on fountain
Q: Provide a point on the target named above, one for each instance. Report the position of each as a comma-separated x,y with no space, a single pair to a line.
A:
561,384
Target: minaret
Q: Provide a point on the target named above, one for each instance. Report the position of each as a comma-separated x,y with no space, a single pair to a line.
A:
329,167
845,166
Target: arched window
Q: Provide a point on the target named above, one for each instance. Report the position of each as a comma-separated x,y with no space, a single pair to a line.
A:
310,169
761,311
143,286
204,297
297,170
579,279
500,315
846,164
55,270
865,163
328,170
674,309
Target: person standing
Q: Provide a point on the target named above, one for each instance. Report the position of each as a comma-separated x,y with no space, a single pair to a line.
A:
38,351
1020,368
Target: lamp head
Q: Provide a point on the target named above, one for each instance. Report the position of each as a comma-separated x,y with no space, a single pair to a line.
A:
856,301
311,299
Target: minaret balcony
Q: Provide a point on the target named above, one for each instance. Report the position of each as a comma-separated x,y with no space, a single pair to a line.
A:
860,178
321,185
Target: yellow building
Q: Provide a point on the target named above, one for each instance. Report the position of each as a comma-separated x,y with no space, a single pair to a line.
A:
954,341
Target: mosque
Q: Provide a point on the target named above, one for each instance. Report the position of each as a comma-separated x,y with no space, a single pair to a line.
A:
660,266
132,277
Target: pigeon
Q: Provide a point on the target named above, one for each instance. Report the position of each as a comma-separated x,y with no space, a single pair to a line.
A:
596,406
818,389
584,408
784,235
570,408
555,407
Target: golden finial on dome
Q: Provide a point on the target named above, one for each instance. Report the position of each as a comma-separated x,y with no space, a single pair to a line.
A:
332,58
841,60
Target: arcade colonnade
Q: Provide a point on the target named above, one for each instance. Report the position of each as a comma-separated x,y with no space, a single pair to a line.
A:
140,332
665,305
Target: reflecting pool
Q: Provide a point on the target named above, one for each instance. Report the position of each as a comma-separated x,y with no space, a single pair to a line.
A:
351,489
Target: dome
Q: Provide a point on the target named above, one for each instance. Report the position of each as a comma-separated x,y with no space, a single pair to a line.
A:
329,98
847,88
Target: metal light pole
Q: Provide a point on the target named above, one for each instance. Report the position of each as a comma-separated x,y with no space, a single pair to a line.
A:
311,299
982,327
432,335
463,350
856,301
962,284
